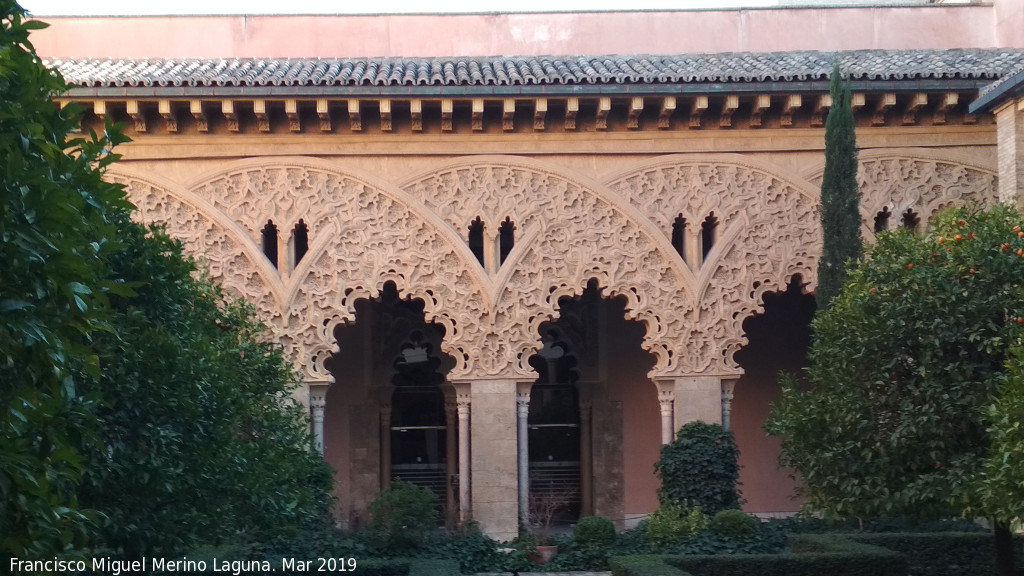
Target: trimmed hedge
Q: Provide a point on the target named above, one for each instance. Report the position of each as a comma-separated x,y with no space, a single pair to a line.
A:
364,567
643,565
941,554
812,555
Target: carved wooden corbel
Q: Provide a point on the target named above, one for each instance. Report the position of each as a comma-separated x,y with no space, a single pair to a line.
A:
793,103
700,105
196,108
164,107
949,100
416,114
291,110
762,102
821,107
572,108
917,101
636,107
385,115
355,117
137,115
227,108
732,102
540,110
668,107
604,106
886,101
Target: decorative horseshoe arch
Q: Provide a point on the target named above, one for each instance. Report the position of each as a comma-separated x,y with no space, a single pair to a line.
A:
573,230
771,234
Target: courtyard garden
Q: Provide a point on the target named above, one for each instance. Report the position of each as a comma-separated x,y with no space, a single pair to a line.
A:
147,415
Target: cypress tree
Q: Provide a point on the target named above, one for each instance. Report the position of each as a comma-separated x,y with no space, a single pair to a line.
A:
840,195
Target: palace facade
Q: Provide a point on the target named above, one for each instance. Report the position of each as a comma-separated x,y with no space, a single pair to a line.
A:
512,277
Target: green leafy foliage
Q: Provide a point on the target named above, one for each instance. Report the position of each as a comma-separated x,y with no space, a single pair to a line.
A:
401,516
56,228
1001,490
202,441
840,194
594,531
700,468
142,410
733,523
672,523
895,418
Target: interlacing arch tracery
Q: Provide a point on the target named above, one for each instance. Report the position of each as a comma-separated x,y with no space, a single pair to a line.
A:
917,179
362,236
570,229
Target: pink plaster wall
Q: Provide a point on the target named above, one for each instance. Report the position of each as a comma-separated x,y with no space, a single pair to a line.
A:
627,382
778,341
759,30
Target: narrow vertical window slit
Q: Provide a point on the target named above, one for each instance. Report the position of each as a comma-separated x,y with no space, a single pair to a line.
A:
270,242
476,239
301,237
506,239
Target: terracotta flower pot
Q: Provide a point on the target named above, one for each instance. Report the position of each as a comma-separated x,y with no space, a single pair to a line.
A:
543,555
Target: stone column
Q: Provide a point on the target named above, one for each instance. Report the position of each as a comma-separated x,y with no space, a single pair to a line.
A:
494,465
462,403
523,434
317,405
385,445
698,397
586,461
451,448
666,399
728,386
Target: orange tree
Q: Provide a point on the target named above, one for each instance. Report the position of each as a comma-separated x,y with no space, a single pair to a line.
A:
898,415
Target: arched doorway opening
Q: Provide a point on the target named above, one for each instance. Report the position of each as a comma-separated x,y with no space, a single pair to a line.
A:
594,414
554,430
387,414
778,340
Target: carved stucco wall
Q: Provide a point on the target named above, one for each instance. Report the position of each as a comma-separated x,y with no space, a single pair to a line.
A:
570,228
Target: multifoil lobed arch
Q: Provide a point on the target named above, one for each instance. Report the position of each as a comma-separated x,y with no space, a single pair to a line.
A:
769,234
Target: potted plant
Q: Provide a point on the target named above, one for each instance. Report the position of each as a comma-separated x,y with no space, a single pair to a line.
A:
544,505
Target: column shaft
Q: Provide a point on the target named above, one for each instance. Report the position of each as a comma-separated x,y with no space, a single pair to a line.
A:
522,420
317,406
462,403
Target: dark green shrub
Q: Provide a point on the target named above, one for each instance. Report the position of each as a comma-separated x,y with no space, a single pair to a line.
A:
594,531
401,516
700,467
672,523
813,555
733,523
941,553
470,548
645,565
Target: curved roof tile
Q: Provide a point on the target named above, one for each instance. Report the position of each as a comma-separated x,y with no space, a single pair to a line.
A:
988,64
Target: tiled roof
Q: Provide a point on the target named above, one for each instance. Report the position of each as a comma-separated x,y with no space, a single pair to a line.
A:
1008,86
889,65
